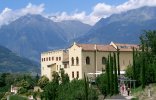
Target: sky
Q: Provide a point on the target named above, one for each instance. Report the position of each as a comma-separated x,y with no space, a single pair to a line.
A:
86,11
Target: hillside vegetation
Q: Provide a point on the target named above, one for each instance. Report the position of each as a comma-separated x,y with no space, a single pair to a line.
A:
143,94
10,62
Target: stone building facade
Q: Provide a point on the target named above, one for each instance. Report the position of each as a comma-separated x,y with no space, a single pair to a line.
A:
84,58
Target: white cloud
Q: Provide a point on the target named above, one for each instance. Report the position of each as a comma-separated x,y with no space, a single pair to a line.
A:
33,9
102,10
8,15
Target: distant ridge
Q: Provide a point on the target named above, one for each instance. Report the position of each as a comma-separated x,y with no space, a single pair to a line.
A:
30,35
125,27
10,62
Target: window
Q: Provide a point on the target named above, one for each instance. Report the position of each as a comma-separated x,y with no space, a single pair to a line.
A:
44,59
65,65
59,58
87,60
72,74
56,58
52,58
72,61
77,74
129,62
123,62
49,58
77,61
103,60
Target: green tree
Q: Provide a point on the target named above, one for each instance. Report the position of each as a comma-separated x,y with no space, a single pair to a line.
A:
108,75
102,84
134,65
51,91
56,77
43,81
115,74
143,63
118,60
111,75
86,85
145,60
64,77
23,83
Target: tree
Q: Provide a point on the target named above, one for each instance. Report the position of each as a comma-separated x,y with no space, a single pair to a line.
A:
143,63
102,84
108,75
51,91
111,75
56,77
64,77
37,78
23,83
43,81
145,60
86,85
115,75
133,64
118,60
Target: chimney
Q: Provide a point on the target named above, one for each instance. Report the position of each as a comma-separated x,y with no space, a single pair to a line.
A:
74,43
95,47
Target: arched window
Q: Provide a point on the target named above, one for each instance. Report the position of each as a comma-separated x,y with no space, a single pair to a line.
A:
87,60
103,60
77,61
72,61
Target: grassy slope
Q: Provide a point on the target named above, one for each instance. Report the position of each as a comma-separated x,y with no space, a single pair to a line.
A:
143,94
17,97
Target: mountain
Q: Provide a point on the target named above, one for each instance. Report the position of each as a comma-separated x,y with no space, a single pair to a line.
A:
125,27
10,62
30,35
73,28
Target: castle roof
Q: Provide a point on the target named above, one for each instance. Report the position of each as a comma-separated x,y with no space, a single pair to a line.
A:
111,47
126,47
93,47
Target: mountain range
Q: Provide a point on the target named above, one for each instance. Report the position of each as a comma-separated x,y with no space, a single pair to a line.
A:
10,62
30,35
125,27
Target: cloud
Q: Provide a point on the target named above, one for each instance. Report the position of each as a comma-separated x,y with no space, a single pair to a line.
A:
8,15
103,10
81,16
33,9
100,10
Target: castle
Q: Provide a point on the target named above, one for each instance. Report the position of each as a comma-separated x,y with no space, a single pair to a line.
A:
84,58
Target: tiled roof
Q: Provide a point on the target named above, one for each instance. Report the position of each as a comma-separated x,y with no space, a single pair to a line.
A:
105,48
89,47
93,47
126,47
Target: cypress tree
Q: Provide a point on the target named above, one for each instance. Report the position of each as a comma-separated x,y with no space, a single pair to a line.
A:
115,75
118,59
111,75
108,76
134,65
143,64
86,87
